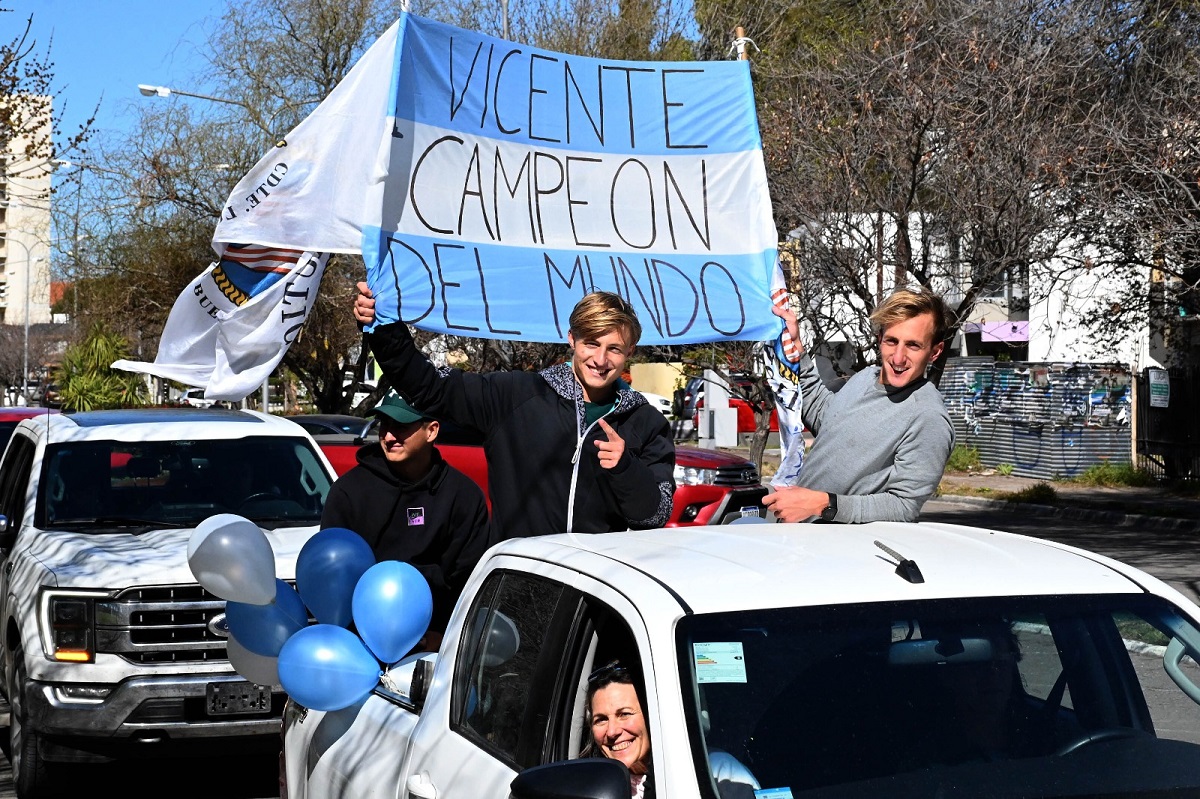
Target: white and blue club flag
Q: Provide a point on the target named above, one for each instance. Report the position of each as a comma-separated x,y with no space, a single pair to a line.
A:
490,185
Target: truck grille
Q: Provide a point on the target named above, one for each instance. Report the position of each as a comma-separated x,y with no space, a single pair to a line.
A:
162,624
740,475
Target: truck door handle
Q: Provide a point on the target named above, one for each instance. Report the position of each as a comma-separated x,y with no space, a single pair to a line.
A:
420,786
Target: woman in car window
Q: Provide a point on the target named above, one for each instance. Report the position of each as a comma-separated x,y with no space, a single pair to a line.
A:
618,725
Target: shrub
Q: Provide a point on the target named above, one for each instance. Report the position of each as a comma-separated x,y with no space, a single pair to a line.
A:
1038,494
963,459
1114,474
1005,469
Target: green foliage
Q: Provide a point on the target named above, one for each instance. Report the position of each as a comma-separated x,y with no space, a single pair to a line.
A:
963,458
1110,474
1036,494
1133,628
1005,469
87,381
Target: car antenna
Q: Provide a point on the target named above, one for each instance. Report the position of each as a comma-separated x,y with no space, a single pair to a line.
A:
906,568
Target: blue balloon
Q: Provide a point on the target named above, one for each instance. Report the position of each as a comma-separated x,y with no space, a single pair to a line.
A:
327,667
392,607
263,629
328,568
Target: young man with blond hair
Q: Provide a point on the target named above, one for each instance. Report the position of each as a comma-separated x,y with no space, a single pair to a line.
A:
881,441
569,449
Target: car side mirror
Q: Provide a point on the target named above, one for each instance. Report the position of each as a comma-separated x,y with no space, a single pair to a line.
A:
408,681
586,778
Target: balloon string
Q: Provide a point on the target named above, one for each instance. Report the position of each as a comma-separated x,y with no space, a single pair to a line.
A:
388,681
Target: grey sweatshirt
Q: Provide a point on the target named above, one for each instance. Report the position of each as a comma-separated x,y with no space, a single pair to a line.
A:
881,450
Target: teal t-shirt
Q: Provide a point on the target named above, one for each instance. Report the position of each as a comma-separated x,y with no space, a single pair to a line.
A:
594,410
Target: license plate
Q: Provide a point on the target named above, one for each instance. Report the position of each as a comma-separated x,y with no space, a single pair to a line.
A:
238,698
752,510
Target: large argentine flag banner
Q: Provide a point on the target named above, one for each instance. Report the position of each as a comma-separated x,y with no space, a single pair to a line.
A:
488,186
521,179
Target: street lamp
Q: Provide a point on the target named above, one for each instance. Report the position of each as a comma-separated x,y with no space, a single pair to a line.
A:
256,117
29,262
166,91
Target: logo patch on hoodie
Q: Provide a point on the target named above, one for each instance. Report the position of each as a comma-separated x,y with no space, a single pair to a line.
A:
416,516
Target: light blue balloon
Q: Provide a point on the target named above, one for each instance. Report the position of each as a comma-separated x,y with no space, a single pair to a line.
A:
327,667
263,629
392,607
327,569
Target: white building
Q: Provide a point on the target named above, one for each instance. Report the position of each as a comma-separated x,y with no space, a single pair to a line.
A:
25,229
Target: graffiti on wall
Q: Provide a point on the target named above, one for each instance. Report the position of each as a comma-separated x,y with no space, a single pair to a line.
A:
1039,395
1044,419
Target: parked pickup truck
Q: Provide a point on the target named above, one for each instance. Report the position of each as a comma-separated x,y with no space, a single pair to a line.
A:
710,486
110,645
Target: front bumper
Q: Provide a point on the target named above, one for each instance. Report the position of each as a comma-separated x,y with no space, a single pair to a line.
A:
714,504
145,710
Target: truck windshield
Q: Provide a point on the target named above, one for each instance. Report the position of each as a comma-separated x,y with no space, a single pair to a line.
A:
105,486
1034,696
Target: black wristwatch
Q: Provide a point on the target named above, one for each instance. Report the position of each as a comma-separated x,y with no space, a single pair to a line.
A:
830,511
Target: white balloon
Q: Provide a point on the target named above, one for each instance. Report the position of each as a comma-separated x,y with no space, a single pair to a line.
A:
260,669
231,557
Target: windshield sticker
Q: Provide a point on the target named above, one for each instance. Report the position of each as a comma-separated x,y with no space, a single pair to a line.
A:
773,793
719,662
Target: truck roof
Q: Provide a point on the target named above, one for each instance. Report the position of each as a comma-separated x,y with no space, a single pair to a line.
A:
740,567
156,424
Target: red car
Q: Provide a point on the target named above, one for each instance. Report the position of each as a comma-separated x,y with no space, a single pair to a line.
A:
13,416
710,486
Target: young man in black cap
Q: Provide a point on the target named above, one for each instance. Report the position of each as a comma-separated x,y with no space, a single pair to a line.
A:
411,506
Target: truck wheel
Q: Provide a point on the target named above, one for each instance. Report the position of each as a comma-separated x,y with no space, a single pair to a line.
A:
30,775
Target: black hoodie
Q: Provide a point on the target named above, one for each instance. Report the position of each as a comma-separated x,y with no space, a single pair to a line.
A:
544,475
439,523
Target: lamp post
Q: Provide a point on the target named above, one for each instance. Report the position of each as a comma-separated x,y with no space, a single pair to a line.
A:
29,262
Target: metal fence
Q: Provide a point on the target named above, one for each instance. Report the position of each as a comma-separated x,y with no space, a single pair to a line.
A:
1044,420
1168,426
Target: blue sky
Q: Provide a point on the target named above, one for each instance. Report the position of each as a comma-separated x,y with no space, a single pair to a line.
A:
103,49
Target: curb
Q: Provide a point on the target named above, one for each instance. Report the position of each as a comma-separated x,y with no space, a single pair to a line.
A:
1075,512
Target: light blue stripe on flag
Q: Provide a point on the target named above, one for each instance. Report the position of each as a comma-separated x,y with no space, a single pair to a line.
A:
471,83
488,291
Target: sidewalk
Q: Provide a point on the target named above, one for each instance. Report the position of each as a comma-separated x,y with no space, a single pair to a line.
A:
1153,507
1147,507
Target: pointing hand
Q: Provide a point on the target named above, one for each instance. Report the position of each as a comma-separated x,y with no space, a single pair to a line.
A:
610,451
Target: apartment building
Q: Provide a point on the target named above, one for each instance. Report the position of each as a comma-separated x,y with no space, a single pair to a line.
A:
25,226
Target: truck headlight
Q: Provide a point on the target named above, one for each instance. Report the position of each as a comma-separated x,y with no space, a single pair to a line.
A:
692,476
68,629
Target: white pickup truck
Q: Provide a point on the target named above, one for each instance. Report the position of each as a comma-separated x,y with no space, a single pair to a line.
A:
110,645
781,661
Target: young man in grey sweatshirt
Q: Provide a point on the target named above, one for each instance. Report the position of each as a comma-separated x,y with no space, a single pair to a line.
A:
882,441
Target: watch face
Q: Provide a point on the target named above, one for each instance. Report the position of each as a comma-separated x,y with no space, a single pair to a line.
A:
828,513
